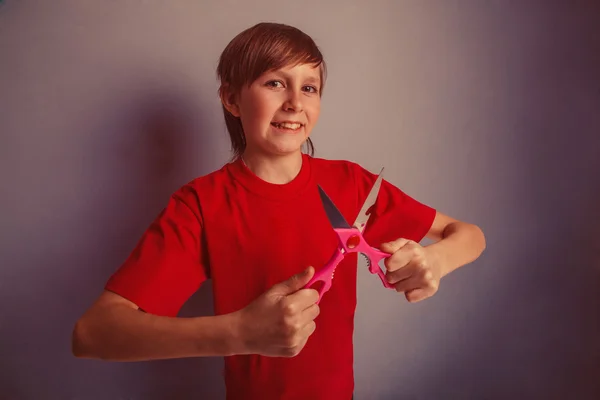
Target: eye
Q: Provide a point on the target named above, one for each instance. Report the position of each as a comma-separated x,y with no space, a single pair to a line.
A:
311,89
274,84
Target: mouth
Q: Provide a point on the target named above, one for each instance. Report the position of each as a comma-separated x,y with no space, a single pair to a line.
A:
287,125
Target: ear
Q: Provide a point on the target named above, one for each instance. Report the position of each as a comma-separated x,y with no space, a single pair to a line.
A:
229,100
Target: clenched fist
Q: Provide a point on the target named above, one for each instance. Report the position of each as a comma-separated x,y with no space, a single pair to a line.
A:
412,269
280,321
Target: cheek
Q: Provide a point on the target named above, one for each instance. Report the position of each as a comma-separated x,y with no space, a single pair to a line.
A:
251,119
313,112
258,112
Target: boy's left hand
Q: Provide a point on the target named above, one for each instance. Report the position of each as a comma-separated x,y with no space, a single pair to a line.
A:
413,269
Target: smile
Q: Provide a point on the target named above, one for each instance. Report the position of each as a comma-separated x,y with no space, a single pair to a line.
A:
287,125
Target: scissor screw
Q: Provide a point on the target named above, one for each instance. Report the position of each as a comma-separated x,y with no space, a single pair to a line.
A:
353,241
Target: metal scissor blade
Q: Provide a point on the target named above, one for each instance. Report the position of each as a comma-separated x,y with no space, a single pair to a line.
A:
363,215
336,218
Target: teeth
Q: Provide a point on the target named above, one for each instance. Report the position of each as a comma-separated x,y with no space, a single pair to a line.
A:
287,125
367,259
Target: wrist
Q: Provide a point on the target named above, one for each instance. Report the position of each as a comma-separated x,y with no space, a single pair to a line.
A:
218,335
438,259
461,244
234,333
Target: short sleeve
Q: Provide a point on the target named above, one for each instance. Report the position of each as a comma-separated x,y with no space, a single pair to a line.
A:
168,263
395,214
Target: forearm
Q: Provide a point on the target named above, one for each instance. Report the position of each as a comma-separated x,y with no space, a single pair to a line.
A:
461,244
121,333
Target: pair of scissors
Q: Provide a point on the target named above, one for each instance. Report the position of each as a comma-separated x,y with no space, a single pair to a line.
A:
350,240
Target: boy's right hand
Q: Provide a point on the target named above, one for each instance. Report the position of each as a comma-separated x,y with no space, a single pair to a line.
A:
279,322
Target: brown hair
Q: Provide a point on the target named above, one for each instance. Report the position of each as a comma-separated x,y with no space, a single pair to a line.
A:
264,47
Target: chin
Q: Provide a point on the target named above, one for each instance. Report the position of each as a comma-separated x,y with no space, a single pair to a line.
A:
286,151
290,145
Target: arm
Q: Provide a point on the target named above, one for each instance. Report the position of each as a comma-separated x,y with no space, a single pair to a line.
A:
166,267
456,244
416,271
116,329
278,323
400,224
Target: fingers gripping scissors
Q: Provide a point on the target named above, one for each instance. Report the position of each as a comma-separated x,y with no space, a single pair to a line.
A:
350,240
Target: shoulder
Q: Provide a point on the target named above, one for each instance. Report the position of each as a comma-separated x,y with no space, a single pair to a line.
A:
197,190
211,180
337,167
343,169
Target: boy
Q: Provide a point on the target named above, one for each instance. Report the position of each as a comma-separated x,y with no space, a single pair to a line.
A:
256,227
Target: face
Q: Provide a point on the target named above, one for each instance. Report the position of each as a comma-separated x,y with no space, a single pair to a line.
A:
279,109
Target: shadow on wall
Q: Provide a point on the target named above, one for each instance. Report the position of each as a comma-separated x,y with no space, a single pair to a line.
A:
100,180
139,162
169,128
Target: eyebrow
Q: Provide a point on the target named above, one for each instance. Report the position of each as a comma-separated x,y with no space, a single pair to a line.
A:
313,79
309,79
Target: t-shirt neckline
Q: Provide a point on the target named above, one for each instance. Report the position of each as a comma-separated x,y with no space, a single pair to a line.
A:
254,184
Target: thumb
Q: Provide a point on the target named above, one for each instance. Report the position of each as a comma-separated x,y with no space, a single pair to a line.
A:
393,246
295,282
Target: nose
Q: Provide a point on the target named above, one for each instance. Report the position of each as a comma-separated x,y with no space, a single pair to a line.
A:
293,101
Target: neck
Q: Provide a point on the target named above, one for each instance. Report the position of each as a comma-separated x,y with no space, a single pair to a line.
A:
278,170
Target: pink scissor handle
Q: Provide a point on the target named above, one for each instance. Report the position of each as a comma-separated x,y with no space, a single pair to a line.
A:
325,274
375,256
350,241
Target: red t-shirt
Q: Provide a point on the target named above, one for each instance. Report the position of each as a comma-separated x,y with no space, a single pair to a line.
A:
247,235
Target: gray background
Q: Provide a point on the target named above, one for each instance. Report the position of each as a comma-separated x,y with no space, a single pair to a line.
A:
487,110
